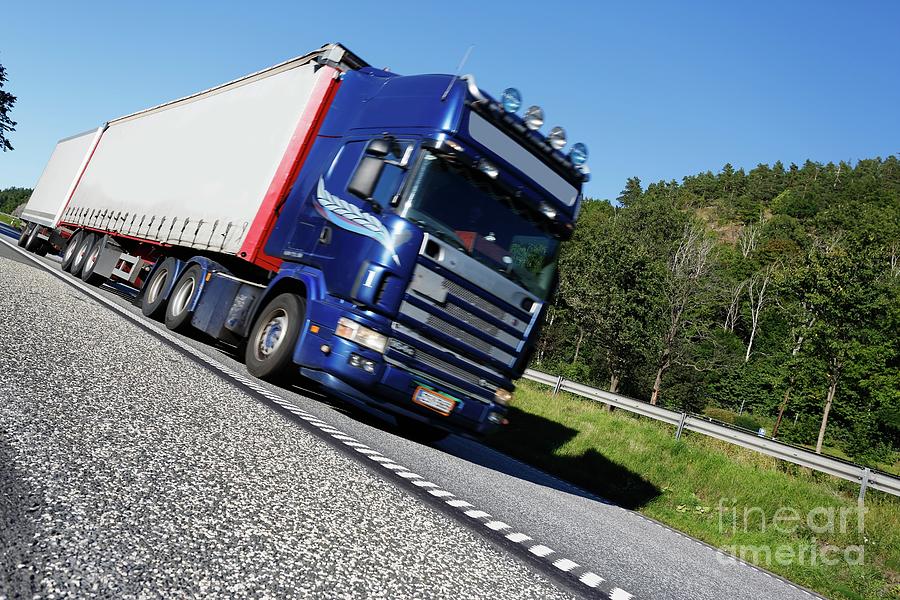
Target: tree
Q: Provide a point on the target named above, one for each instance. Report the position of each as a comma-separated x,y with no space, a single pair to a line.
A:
7,125
687,269
631,193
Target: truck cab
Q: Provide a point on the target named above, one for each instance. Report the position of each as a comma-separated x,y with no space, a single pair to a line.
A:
430,217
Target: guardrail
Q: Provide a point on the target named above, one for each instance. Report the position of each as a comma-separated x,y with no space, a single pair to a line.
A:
863,476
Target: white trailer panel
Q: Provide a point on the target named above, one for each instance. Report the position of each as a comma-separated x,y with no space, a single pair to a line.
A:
59,178
194,172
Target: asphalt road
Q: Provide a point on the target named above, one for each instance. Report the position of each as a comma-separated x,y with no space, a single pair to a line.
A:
138,374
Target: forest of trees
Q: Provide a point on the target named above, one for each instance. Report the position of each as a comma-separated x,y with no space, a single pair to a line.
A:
12,197
774,292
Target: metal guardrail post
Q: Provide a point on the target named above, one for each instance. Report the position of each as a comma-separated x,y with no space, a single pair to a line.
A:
680,426
558,385
864,484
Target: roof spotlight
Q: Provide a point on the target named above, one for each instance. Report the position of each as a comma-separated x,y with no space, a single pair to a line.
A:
534,118
511,100
557,138
578,154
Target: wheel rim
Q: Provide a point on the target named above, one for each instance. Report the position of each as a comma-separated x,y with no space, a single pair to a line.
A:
182,297
272,334
156,285
70,251
92,259
79,258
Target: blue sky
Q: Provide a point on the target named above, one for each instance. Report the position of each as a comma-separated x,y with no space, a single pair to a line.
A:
654,90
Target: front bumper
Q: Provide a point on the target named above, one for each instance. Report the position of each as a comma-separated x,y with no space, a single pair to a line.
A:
389,387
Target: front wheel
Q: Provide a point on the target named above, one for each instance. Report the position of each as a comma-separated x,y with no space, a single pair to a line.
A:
270,346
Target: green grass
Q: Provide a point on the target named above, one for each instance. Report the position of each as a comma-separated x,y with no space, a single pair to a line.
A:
637,463
10,220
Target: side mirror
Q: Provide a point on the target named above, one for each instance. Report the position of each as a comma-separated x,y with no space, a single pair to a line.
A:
380,147
366,177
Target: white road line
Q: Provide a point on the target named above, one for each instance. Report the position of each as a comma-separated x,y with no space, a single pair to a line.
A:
540,550
476,514
440,493
564,564
589,579
459,503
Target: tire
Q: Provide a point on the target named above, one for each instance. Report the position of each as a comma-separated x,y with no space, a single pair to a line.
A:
270,346
69,253
90,262
33,243
156,291
178,313
420,432
26,231
81,252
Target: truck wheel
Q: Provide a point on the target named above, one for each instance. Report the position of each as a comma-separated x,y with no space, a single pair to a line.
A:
178,309
153,302
33,243
26,231
90,263
81,252
270,346
69,253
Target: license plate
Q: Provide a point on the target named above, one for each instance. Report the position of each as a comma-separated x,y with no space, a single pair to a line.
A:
436,402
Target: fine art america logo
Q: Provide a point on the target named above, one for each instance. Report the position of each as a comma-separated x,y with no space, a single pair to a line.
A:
830,522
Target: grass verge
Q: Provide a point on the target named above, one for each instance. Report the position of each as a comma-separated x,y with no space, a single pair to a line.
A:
802,525
10,220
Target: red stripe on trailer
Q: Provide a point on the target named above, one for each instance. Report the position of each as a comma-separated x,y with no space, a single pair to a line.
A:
293,159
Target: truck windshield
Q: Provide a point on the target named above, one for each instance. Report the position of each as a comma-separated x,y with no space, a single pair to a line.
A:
463,209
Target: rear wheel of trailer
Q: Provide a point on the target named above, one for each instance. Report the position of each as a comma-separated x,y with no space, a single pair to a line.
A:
81,252
23,236
33,243
90,263
69,253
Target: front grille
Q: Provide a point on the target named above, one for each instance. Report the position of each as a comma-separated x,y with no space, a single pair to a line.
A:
456,332
470,319
443,366
477,301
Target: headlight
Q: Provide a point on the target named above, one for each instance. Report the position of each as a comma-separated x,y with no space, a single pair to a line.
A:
353,331
534,118
511,100
503,397
578,154
557,138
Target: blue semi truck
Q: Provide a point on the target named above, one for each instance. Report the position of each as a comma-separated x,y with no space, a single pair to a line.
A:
393,238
